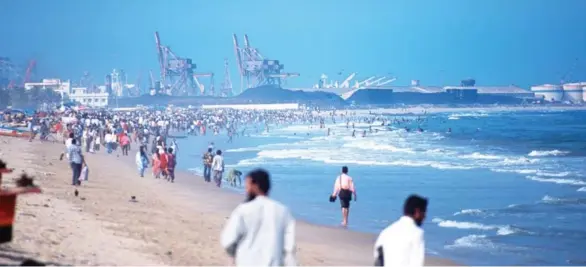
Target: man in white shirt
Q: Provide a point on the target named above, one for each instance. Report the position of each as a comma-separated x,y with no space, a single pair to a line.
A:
402,243
218,168
261,231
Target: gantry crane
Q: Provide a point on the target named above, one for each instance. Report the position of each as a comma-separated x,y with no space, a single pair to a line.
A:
227,84
176,72
256,69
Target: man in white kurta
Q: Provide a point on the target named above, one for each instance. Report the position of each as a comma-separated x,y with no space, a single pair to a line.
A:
402,243
260,232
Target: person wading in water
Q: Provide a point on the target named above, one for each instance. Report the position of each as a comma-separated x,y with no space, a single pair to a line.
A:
344,189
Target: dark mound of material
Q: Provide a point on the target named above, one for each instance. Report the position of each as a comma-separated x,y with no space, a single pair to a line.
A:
273,94
258,95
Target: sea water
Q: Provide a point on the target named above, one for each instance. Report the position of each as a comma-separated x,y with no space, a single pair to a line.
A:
505,188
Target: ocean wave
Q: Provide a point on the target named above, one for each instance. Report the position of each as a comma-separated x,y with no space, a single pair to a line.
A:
520,171
581,189
325,155
372,145
553,174
519,161
545,153
555,200
470,114
453,118
477,155
471,241
556,180
468,211
243,149
500,229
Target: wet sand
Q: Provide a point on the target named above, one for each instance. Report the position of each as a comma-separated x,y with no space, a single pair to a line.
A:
169,224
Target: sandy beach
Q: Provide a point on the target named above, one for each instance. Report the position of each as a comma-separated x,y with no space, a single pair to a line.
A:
169,224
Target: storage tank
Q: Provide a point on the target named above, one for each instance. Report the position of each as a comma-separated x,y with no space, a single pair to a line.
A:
583,91
549,92
573,92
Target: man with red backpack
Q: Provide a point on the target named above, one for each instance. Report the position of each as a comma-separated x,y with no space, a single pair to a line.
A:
171,162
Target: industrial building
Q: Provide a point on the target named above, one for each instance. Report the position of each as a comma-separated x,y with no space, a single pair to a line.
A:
371,91
549,92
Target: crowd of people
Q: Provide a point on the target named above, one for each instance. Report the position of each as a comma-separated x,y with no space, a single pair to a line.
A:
152,133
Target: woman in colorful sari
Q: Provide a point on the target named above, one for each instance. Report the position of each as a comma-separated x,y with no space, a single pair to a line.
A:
156,162
142,161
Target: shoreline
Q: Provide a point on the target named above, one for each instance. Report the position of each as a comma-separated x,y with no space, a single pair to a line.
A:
419,110
168,225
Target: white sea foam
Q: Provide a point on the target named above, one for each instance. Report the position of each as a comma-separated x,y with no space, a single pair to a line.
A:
550,199
477,155
519,161
471,241
243,149
468,211
582,189
372,145
470,114
500,229
552,174
545,153
521,171
556,180
453,118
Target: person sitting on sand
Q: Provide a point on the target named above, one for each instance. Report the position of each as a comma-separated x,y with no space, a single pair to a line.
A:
233,176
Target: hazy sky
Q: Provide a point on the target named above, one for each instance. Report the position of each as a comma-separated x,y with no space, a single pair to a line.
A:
498,42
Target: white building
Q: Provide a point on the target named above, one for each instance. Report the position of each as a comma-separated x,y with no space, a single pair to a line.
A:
62,87
82,96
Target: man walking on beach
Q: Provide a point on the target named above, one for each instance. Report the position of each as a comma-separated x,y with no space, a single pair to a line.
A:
344,189
207,165
401,243
75,160
218,168
261,231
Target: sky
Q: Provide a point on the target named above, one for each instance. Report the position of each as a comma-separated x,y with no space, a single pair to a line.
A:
439,42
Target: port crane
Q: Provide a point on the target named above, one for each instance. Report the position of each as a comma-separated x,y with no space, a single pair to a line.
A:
256,70
177,73
227,84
